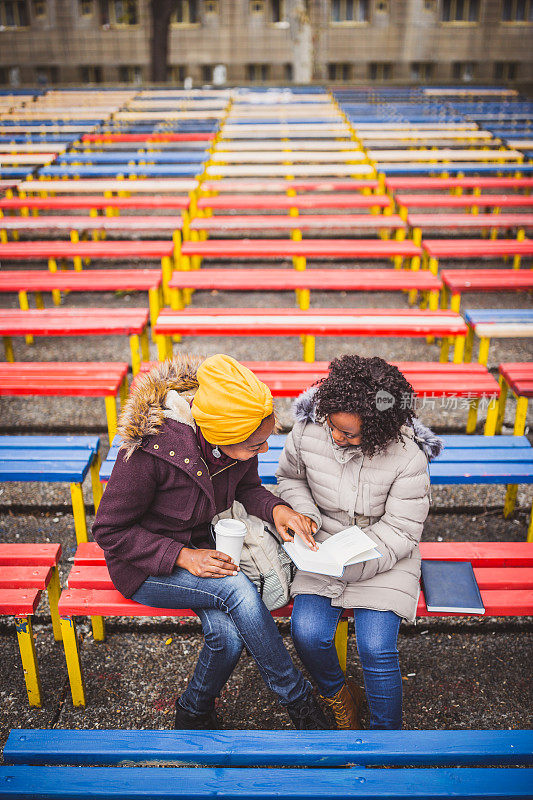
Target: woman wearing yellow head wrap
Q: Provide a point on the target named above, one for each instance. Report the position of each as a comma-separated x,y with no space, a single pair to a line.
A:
182,461
231,402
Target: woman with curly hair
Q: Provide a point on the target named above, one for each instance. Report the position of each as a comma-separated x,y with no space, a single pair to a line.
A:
358,455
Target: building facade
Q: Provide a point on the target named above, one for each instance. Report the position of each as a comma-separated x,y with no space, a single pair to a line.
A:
58,42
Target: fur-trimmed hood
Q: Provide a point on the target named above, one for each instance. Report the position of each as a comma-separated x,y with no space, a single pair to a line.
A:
304,410
164,392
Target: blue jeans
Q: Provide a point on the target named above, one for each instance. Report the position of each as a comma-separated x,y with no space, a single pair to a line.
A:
313,625
232,615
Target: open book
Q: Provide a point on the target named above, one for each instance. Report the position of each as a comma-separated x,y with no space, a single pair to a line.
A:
350,546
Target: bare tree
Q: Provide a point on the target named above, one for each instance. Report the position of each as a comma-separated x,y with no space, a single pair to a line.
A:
160,11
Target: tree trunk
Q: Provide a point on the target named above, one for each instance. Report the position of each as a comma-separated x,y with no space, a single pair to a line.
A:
160,12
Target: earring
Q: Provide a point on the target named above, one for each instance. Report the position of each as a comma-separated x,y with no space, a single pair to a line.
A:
216,451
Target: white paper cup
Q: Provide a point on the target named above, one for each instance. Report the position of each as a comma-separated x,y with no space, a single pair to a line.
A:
230,535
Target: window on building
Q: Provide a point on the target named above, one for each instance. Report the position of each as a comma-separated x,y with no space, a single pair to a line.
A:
207,73
505,71
130,74
91,74
464,71
177,73
380,71
211,6
460,11
288,71
278,10
38,8
517,11
86,8
185,12
257,72
349,10
383,6
46,75
339,72
430,5
119,12
422,71
257,6
14,14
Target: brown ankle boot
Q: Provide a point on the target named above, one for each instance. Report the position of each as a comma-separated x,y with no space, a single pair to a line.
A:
346,706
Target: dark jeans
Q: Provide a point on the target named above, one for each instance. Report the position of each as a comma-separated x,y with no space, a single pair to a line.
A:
313,625
232,615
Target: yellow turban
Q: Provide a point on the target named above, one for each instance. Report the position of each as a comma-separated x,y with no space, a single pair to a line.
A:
230,402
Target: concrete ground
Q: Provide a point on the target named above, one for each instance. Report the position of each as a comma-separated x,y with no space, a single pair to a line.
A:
462,673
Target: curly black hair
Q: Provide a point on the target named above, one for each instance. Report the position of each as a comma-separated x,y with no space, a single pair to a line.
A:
374,390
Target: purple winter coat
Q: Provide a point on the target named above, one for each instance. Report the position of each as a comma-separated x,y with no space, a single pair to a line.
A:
162,499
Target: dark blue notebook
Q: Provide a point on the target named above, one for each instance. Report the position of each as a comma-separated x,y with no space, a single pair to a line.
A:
451,586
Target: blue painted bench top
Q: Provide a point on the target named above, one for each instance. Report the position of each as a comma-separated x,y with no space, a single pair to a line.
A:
105,171
124,157
464,460
475,316
428,169
230,754
46,458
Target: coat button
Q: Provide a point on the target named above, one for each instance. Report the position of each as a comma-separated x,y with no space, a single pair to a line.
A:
156,447
187,460
199,472
171,453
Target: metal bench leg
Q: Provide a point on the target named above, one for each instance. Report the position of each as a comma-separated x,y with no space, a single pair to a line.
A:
8,348
95,480
78,508
135,353
504,388
521,235
56,294
166,272
111,415
177,300
304,299
24,305
54,590
39,303
164,347
98,627
444,350
145,345
492,418
455,302
469,346
123,391
521,415
510,499
309,348
75,237
341,642
29,659
458,350
484,344
472,415
444,298
530,527
433,301
153,303
72,657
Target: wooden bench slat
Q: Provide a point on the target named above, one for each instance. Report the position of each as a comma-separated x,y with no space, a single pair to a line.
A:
497,603
159,783
49,471
123,224
451,221
270,748
69,322
519,376
310,248
34,554
476,248
45,442
106,249
302,222
19,602
95,280
68,202
487,280
465,201
259,200
266,185
20,576
439,184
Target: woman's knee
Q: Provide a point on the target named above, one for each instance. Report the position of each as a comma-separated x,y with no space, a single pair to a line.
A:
307,632
220,634
237,590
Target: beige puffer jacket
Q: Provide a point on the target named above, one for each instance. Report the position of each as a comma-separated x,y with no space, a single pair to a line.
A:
386,494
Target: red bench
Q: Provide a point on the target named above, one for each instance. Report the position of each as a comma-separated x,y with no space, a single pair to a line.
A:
102,280
436,249
68,379
301,281
166,251
101,185
456,184
457,281
308,324
84,202
284,202
406,202
518,378
26,570
131,322
322,222
504,571
267,185
468,384
299,251
422,223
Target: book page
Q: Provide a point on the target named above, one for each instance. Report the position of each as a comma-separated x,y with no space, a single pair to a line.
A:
347,544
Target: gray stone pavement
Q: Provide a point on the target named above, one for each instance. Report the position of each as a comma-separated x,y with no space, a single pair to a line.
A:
466,673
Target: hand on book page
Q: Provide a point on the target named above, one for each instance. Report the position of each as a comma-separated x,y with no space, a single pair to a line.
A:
350,546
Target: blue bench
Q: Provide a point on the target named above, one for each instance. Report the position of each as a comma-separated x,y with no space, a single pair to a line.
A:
465,459
453,169
246,764
133,156
495,323
106,170
53,459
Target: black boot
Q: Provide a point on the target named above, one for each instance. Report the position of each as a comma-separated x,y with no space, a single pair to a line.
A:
306,714
187,721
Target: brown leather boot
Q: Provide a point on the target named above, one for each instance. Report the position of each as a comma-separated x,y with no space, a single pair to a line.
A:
346,706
